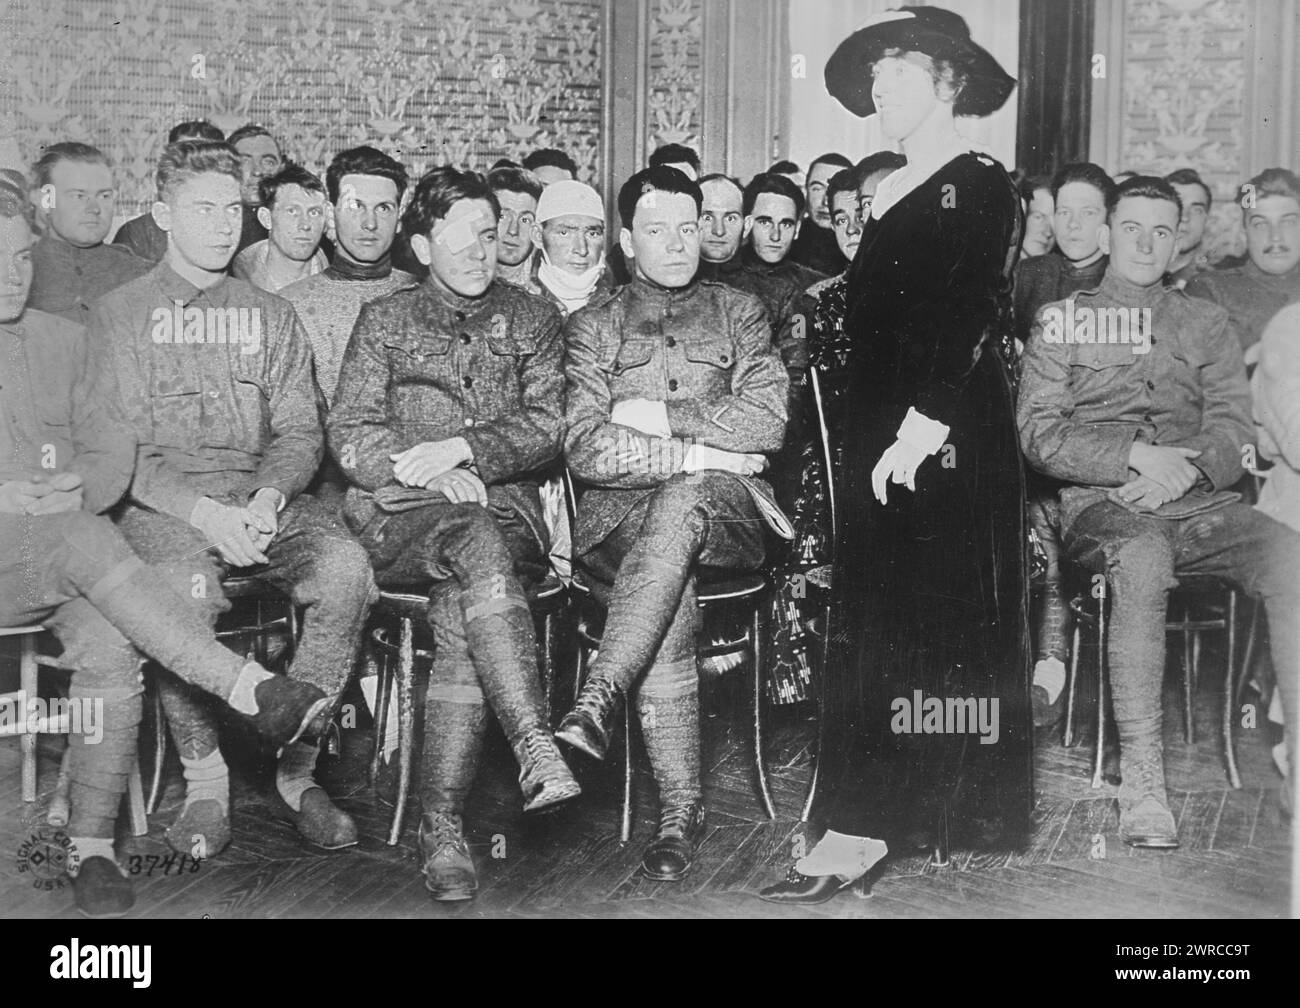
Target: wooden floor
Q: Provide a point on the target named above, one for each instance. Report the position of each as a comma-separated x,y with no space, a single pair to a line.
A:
1234,860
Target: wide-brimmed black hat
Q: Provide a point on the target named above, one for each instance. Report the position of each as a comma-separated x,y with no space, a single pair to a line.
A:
939,34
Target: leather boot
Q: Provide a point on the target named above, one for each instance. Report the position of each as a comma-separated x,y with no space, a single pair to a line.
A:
448,869
288,709
591,722
544,777
1144,816
101,890
672,852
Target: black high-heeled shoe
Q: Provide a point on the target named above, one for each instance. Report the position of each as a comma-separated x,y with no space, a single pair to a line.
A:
808,889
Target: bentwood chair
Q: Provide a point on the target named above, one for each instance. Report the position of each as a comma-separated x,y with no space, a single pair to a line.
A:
30,662
259,614
717,592
401,638
1201,603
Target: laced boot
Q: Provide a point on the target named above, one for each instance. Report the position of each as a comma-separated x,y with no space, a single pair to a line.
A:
544,777
591,722
672,852
448,869
1144,816
289,709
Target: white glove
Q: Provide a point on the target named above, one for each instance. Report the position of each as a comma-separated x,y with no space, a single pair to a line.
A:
649,416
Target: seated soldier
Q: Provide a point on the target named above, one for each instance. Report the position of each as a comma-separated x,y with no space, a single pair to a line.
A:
215,377
1080,194
1193,255
66,456
569,268
365,188
773,211
517,191
722,226
1256,290
294,212
448,408
72,262
674,394
1135,396
142,235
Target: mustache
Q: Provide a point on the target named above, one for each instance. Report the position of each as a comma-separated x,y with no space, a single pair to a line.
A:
1277,248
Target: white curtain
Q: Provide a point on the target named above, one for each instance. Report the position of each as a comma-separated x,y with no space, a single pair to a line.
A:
818,123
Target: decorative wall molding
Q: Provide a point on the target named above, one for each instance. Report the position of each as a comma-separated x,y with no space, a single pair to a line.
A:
1209,84
451,81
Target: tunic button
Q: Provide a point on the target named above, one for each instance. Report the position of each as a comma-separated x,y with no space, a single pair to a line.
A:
723,358
212,395
468,382
464,338
1151,385
460,316
469,421
671,342
672,384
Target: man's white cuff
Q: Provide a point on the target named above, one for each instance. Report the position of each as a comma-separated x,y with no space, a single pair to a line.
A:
922,433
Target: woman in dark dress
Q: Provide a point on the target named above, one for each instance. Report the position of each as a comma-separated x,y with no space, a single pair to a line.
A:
925,712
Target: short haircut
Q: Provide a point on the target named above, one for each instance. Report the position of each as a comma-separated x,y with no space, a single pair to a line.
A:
1031,184
831,158
1190,176
779,185
13,196
846,180
1270,182
1087,172
512,178
364,161
182,161
249,130
291,174
195,129
674,154
881,161
1146,187
68,150
505,162
784,168
550,157
657,178
438,190
718,176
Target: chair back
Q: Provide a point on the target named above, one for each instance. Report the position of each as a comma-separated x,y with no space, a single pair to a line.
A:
824,433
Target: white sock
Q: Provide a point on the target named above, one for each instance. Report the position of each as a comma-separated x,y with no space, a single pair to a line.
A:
849,857
89,847
207,778
293,775
1049,673
241,697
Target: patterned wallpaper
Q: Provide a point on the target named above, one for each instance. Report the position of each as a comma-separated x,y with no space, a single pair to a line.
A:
1184,84
438,81
675,44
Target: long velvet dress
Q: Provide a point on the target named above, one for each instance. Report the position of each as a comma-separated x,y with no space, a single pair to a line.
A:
930,588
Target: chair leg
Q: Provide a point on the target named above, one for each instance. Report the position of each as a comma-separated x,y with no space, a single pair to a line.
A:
1248,658
756,653
159,752
61,804
1099,756
942,852
625,825
548,665
1075,648
135,802
27,671
383,701
1229,691
405,726
1189,678
580,658
819,686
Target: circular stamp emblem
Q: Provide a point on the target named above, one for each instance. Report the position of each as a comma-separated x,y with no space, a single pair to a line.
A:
47,856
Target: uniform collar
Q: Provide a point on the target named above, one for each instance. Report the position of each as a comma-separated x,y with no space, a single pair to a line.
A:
176,288
648,290
1128,294
437,298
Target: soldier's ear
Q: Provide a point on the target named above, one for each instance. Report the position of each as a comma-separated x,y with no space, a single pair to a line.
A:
625,242
1103,238
748,226
264,217
162,215
422,249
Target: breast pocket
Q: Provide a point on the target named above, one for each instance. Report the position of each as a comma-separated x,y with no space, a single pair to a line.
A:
719,354
415,363
176,410
513,344
244,423
630,355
